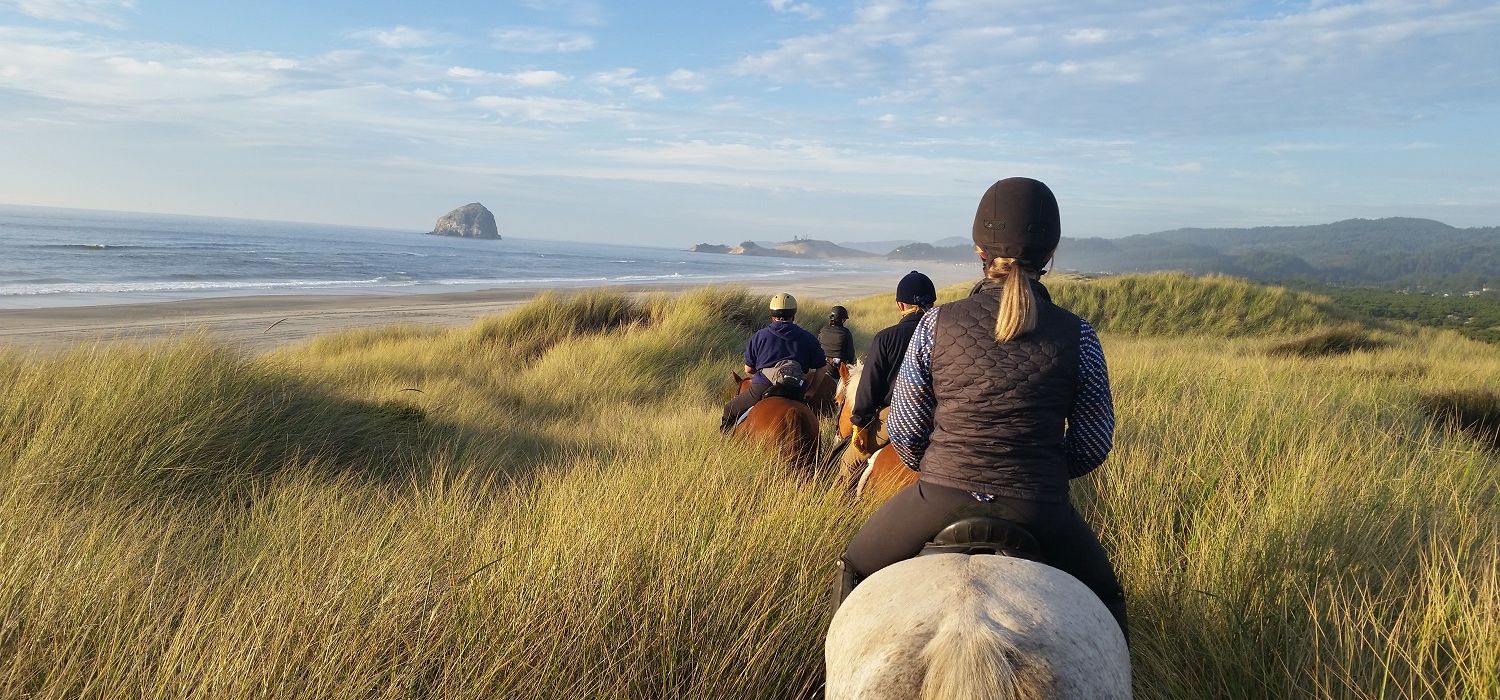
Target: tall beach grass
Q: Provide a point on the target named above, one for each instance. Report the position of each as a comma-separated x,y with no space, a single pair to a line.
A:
540,506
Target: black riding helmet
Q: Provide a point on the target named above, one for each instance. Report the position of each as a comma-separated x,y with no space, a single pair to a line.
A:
839,314
1017,218
916,288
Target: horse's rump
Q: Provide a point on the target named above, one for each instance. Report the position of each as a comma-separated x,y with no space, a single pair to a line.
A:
786,423
983,626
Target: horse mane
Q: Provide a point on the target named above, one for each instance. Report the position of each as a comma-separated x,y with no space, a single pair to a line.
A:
847,388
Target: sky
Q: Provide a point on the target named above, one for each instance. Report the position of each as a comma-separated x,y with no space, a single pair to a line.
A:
674,123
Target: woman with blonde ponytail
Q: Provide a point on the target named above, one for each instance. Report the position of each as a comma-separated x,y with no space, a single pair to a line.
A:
1002,398
1017,302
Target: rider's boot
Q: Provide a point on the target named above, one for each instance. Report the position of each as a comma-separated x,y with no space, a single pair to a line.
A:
844,582
1114,602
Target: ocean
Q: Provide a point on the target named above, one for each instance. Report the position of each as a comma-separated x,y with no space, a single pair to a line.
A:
67,257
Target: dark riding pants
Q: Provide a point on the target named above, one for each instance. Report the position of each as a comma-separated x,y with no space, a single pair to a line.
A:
900,528
741,403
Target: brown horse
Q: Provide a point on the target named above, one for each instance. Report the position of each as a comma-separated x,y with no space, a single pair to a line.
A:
884,474
788,424
875,476
821,387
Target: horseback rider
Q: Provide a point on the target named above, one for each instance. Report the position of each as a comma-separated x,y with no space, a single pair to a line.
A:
781,340
837,341
1002,398
915,294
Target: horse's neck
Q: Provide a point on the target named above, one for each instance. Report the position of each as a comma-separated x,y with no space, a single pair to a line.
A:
846,400
850,385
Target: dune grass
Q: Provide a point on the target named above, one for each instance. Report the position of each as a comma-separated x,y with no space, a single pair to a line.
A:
540,506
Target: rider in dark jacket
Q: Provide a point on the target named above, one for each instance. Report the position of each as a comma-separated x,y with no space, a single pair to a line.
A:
837,341
1002,398
782,339
915,294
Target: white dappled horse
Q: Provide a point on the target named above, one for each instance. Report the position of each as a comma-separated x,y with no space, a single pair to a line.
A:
974,627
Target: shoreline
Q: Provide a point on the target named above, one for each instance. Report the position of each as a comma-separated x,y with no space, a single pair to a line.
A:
264,322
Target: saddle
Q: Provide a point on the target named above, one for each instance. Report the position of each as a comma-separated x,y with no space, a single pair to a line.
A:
985,535
786,380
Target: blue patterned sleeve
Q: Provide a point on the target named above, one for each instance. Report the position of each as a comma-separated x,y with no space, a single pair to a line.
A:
912,400
1091,423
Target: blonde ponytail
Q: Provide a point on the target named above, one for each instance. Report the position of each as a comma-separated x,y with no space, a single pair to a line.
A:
1017,315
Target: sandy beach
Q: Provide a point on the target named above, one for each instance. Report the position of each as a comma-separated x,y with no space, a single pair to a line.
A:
264,322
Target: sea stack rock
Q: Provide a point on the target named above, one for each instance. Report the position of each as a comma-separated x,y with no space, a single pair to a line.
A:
468,221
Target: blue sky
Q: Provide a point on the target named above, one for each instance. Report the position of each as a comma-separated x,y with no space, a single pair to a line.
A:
651,123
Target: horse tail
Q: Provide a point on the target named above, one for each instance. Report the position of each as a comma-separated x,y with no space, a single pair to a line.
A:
971,656
799,436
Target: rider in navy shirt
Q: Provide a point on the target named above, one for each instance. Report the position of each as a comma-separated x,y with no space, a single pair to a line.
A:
781,340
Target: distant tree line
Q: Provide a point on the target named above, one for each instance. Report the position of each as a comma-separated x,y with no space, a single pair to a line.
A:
1477,317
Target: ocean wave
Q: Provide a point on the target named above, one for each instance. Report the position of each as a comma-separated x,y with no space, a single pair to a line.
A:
87,246
179,286
396,280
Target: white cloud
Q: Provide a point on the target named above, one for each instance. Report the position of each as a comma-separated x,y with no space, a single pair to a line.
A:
877,11
402,37
625,79
107,13
549,109
526,78
1101,71
808,165
236,99
686,80
540,40
1087,35
586,12
1183,69
806,9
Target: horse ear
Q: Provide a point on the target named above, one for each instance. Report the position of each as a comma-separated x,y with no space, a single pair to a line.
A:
737,377
844,371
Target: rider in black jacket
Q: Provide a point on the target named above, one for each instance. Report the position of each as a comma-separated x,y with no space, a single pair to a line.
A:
837,341
914,295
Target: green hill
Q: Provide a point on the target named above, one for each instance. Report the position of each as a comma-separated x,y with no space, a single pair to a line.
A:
1396,252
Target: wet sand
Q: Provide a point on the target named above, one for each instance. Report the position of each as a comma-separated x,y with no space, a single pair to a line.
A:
265,322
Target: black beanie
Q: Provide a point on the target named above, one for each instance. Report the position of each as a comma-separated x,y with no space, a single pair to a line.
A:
916,288
1017,218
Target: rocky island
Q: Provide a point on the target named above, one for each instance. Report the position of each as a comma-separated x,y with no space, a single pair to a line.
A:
796,248
468,221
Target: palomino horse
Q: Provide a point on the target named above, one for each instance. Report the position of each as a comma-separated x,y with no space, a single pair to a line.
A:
788,424
877,476
974,627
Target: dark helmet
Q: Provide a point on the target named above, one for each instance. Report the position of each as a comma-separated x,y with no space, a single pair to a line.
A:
838,313
1017,218
916,288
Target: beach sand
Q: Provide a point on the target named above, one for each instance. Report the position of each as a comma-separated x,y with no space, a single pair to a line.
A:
265,322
